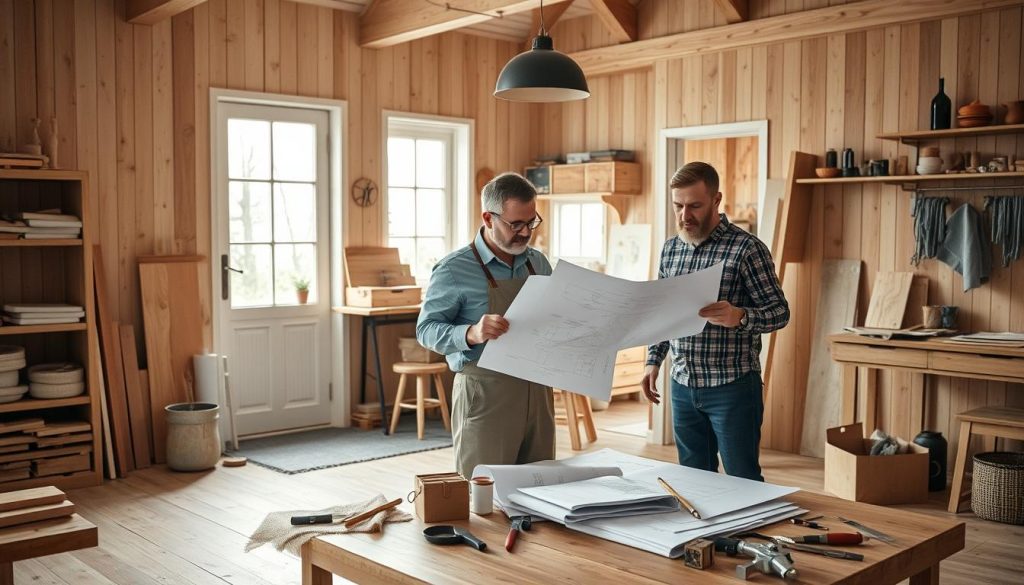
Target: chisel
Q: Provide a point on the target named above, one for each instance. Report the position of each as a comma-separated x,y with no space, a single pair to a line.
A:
831,538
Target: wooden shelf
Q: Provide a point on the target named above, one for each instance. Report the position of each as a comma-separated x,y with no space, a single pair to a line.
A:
900,179
62,242
30,329
43,175
919,135
37,404
65,482
618,201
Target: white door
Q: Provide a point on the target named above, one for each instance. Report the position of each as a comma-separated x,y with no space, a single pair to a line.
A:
270,236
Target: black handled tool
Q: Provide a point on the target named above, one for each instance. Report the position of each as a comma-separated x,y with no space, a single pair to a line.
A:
318,519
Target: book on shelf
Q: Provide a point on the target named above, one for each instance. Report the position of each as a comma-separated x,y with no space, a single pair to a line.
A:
39,321
48,214
55,315
49,236
54,223
13,227
42,308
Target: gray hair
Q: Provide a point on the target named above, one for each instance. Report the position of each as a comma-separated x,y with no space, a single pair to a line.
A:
504,187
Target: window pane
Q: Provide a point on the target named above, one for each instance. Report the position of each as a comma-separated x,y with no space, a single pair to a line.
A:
293,262
592,230
401,212
254,287
294,151
406,250
248,149
428,252
294,212
430,212
401,162
249,211
430,163
569,230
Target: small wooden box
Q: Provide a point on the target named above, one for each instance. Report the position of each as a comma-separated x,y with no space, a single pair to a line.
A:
377,278
567,179
613,177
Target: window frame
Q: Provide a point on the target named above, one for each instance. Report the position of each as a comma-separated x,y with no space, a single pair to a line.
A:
556,223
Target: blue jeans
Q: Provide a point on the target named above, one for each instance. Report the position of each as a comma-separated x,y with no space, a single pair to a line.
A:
722,419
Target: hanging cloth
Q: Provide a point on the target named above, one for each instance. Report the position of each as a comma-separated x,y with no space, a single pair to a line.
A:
929,215
965,249
1007,218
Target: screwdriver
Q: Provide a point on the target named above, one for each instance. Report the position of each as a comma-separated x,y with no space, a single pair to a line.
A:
832,538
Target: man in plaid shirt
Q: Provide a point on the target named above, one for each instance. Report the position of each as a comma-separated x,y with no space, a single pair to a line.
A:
716,375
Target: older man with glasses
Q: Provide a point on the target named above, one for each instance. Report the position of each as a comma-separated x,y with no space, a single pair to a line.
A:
496,418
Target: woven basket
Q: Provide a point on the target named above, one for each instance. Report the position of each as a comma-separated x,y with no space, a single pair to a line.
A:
998,489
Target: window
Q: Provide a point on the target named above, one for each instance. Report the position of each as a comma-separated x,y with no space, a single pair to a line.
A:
578,231
428,188
273,193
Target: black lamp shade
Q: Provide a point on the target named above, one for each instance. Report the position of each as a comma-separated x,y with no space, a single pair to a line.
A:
541,74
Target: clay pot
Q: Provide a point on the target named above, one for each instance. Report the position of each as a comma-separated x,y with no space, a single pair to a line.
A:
302,296
974,108
1014,112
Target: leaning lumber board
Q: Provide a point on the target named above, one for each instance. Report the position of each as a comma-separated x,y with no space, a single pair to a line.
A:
31,497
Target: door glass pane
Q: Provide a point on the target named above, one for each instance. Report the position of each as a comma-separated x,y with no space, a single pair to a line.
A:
428,252
254,287
294,212
294,151
430,212
293,262
592,230
401,162
401,212
569,230
430,163
249,211
248,149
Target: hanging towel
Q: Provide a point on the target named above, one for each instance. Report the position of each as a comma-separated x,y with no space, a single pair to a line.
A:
929,215
1007,215
965,249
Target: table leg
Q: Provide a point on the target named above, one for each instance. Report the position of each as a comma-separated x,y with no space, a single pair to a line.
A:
849,398
962,444
929,576
6,573
362,364
870,389
916,404
380,377
312,574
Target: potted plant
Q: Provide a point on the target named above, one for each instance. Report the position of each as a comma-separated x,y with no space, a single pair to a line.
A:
301,289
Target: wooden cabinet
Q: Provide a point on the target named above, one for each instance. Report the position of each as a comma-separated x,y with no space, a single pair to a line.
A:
618,177
629,368
50,271
567,179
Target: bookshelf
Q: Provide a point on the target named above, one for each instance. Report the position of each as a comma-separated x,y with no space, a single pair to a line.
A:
51,271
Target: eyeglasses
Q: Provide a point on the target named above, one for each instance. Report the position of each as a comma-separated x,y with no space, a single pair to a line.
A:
517,226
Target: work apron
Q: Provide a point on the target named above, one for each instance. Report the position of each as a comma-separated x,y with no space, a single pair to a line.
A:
498,419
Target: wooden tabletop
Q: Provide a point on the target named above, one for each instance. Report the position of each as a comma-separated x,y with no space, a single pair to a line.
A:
37,539
930,343
378,311
550,552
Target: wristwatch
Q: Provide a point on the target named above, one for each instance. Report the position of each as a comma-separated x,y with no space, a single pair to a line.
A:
743,319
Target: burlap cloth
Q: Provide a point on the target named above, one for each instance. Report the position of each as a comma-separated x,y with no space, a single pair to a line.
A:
278,530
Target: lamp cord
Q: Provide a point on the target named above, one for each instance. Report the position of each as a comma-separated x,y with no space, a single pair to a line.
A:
447,6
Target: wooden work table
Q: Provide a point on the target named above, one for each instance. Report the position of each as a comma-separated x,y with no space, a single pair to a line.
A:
550,552
925,356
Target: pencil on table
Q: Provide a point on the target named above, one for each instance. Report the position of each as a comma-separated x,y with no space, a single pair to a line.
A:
687,505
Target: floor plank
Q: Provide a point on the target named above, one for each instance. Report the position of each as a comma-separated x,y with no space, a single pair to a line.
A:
160,527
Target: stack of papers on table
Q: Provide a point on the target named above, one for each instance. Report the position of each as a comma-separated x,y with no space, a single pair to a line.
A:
1003,339
616,496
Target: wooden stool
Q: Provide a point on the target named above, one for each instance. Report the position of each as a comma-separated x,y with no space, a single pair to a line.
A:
423,373
577,408
990,422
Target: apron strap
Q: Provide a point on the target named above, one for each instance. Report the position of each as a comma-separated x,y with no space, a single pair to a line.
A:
529,268
490,277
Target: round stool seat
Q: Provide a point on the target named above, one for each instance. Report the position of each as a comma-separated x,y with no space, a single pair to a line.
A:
415,368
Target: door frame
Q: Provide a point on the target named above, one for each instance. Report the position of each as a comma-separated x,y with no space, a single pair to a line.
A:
666,144
337,161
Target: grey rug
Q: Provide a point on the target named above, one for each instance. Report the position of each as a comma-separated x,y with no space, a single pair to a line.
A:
331,447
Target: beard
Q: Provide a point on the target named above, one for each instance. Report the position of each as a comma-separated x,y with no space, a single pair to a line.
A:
514,246
696,232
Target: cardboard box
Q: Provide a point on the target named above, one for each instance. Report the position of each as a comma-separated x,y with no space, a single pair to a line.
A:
441,497
852,474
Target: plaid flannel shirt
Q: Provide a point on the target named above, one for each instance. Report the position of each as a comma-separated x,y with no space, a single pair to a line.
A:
718,355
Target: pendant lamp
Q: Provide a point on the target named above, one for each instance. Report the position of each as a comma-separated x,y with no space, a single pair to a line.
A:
541,74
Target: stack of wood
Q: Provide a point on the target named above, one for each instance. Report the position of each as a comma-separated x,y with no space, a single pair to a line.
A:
39,522
367,416
33,447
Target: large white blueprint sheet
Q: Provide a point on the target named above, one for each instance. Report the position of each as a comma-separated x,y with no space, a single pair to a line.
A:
565,329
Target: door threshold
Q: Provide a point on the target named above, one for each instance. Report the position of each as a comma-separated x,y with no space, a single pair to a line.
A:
283,432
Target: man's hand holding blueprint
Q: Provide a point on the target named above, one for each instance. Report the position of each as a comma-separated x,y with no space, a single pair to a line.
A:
565,329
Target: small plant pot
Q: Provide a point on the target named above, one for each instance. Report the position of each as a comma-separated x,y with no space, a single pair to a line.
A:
193,439
303,296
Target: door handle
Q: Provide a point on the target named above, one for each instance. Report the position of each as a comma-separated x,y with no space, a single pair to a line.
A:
225,277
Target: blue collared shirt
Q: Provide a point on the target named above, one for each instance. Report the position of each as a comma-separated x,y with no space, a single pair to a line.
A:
457,298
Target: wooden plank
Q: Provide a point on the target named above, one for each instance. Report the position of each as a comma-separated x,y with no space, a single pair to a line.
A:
917,298
36,513
790,27
47,538
117,399
150,12
44,453
64,440
837,307
29,498
889,300
137,408
733,10
61,428
618,17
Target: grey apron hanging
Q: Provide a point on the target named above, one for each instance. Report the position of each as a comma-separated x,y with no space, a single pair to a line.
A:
498,419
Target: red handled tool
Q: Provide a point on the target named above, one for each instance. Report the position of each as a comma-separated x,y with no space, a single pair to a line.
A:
518,523
831,538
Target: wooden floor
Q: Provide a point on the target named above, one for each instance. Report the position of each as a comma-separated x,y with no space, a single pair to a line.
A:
162,527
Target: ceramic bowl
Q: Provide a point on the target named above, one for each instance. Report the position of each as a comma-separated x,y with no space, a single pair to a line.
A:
929,160
58,373
974,122
11,394
827,172
8,379
48,391
928,170
974,108
929,151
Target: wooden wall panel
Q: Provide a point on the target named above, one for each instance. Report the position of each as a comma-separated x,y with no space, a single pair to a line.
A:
132,104
834,92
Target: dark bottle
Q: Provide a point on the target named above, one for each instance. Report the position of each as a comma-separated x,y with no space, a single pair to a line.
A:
941,108
936,445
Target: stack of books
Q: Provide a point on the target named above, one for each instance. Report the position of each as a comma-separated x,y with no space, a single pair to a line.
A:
40,225
42,314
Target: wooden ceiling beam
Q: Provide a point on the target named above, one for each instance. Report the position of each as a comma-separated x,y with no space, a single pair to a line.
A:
734,10
619,17
552,13
391,22
154,11
820,22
